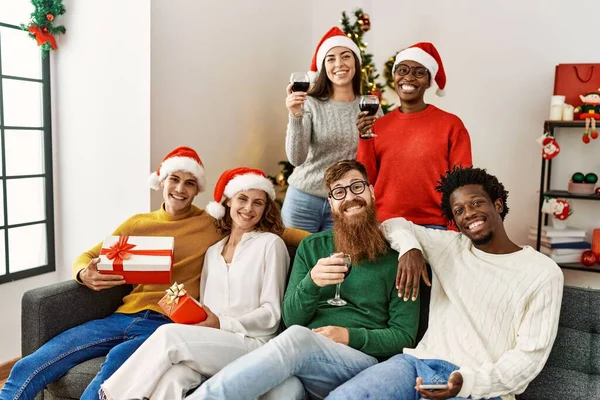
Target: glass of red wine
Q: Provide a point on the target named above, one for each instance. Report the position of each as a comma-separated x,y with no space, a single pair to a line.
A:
337,300
300,83
369,103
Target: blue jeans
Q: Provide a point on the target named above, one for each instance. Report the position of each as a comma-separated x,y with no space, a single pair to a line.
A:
115,337
395,379
319,363
305,211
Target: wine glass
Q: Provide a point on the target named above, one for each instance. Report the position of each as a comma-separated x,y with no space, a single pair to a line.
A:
369,103
300,83
337,300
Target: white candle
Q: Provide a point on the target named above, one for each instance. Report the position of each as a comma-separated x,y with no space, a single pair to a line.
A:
567,112
556,112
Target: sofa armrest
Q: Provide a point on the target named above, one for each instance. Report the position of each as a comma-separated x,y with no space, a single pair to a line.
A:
50,310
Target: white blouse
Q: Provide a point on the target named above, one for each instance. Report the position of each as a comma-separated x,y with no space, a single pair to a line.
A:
247,294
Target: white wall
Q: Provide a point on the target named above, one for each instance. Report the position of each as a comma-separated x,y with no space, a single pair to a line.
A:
219,72
101,103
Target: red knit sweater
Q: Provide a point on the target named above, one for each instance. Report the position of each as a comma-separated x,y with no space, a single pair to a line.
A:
407,158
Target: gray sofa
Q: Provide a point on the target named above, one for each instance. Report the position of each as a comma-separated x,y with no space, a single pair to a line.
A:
572,371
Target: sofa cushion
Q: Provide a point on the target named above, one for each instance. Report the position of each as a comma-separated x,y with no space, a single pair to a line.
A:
74,382
573,368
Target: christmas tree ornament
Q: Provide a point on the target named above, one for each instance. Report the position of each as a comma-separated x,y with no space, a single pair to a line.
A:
578,177
590,111
562,209
376,92
591,178
559,208
550,147
365,22
41,24
597,191
588,258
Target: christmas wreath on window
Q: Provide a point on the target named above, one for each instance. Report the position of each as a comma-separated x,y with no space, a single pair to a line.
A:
41,25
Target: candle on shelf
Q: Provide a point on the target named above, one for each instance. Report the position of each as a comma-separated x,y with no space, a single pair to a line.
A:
567,112
556,107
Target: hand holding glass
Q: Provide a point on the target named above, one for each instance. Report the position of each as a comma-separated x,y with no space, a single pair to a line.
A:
347,261
369,103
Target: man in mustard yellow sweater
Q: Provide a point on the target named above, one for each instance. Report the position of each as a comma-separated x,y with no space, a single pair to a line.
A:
181,177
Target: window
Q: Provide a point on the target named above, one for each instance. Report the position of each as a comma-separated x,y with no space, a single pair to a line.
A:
26,205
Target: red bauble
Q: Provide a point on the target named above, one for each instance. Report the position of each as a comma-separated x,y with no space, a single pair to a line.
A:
588,258
376,92
597,191
50,17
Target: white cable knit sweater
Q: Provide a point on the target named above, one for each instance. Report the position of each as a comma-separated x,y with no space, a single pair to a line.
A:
495,316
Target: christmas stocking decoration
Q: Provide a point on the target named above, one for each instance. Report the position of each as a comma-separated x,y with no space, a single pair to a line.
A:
550,147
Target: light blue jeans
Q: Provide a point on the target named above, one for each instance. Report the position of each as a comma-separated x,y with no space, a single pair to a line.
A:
395,379
319,363
115,337
304,211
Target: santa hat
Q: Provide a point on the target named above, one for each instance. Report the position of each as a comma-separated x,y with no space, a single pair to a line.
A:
180,159
333,38
235,180
427,55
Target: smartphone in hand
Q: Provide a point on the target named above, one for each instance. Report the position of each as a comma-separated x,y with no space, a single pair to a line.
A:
434,386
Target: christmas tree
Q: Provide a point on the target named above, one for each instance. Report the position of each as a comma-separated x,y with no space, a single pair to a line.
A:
356,31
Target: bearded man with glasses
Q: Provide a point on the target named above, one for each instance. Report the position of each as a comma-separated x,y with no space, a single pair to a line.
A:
325,345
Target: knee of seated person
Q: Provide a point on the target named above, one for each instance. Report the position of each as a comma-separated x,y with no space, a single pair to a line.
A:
296,333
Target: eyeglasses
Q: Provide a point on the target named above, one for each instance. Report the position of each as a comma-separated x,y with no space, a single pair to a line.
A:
418,71
339,193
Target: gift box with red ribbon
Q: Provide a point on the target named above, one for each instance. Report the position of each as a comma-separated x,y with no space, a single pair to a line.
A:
139,259
181,307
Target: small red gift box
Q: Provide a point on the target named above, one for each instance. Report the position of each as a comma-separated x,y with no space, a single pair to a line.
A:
139,259
181,307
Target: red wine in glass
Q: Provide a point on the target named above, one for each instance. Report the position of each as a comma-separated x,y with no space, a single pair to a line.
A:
370,104
337,300
302,87
300,83
370,108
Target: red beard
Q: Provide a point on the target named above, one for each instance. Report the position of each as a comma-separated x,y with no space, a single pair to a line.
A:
358,235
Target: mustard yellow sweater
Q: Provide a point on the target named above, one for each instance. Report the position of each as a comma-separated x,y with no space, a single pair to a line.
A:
194,233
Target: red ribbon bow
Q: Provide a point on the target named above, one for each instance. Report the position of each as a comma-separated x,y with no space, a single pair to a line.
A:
123,251
42,37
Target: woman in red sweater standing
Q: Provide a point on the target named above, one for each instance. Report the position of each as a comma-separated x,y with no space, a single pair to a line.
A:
415,144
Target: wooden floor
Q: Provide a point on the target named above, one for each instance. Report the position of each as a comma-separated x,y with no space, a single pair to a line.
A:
5,371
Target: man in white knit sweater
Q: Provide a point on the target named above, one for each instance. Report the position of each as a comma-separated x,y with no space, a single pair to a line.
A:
494,305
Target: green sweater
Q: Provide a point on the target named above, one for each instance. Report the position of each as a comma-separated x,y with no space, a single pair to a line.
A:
379,322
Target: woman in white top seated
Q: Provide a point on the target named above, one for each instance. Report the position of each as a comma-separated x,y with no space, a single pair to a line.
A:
241,290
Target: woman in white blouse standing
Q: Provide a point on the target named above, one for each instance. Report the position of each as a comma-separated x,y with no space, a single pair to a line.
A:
241,289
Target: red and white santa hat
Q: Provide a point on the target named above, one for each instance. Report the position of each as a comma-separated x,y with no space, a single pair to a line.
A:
235,180
180,159
427,55
333,38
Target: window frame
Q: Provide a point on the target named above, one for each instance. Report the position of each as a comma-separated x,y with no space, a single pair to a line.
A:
47,174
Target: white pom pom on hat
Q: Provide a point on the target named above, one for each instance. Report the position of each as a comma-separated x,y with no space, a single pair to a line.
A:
180,159
235,180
